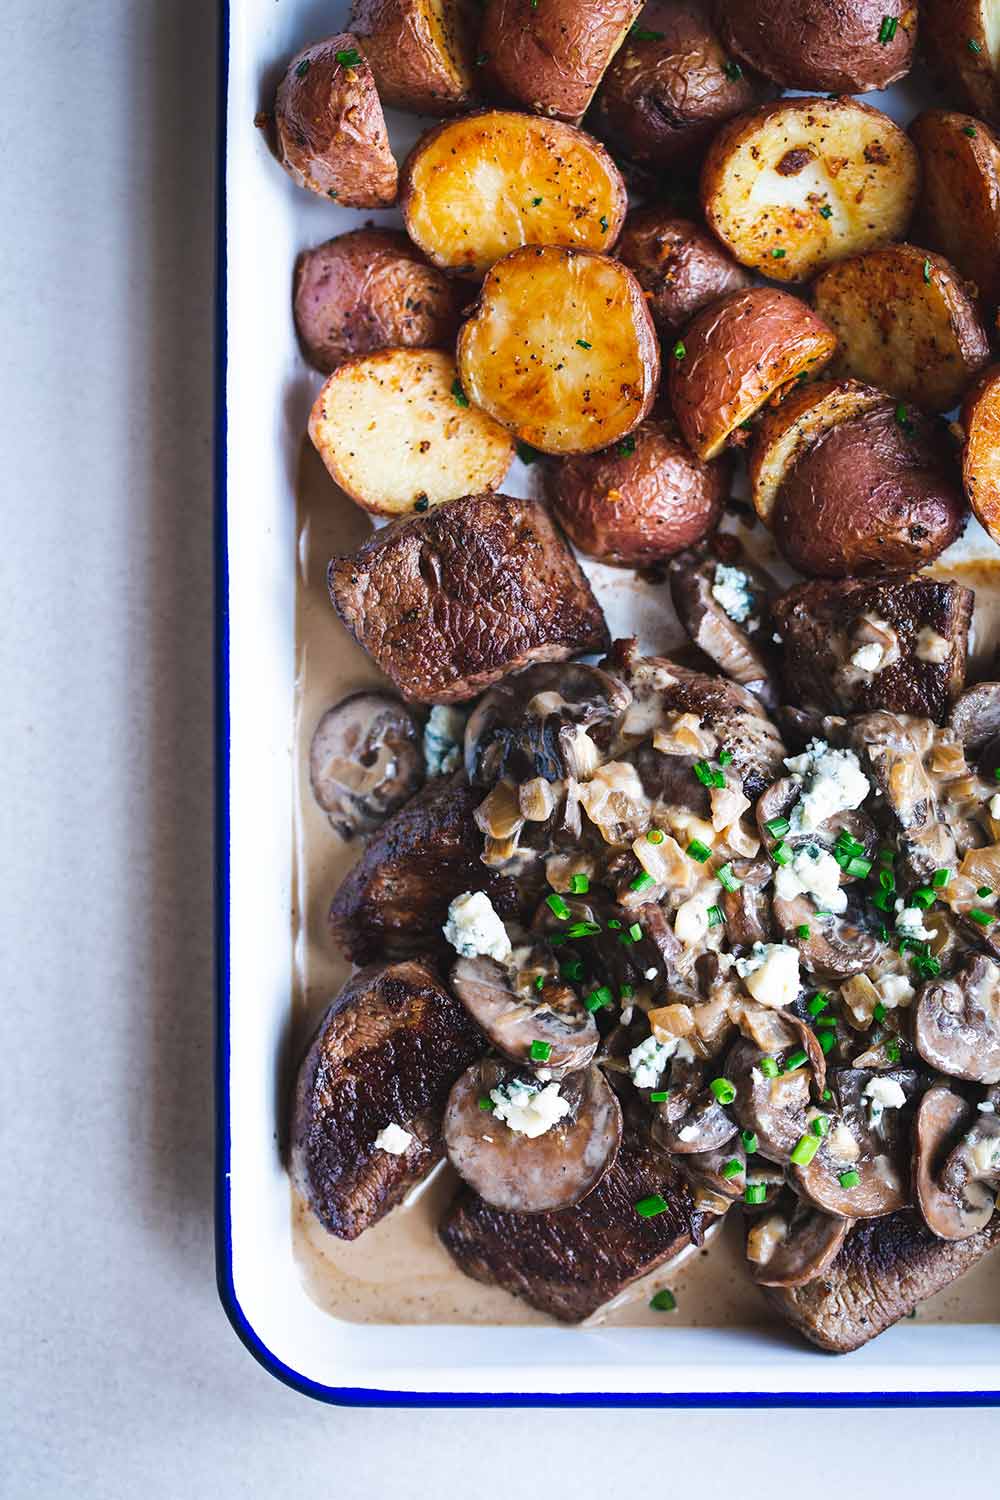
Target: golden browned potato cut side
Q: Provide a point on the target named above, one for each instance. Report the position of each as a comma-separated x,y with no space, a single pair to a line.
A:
959,209
560,348
905,322
787,431
422,52
981,455
961,41
398,434
474,189
801,183
550,58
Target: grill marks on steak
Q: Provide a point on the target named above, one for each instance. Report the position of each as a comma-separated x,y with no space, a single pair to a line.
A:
570,1263
395,900
886,1266
822,625
478,587
387,1050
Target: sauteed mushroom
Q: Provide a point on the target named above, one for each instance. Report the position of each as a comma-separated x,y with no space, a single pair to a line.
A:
691,1120
527,1153
365,760
551,1031
957,1022
723,610
956,1164
722,1171
834,947
535,723
793,1243
975,716
857,1171
770,1102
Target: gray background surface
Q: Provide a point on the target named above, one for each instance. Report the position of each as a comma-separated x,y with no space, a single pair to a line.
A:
120,1376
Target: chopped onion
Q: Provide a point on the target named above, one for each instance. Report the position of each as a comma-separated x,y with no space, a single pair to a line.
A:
536,799
500,814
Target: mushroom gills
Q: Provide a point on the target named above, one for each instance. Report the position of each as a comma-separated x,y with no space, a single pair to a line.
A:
365,760
956,1170
553,1032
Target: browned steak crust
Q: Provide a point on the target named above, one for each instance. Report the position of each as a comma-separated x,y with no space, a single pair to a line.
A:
451,601
886,1266
572,1262
387,1050
395,900
818,623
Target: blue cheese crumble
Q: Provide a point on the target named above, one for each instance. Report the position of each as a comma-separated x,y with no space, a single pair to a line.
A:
831,781
812,872
731,588
528,1109
443,735
473,928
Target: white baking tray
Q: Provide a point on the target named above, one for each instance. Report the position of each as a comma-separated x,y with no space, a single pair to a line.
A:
263,398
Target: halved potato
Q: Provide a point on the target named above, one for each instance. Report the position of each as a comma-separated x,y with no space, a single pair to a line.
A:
550,57
788,430
795,185
329,128
981,455
959,208
905,322
474,189
422,52
560,348
849,47
735,355
398,433
962,43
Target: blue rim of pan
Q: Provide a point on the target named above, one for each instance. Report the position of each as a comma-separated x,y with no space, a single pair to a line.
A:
354,1395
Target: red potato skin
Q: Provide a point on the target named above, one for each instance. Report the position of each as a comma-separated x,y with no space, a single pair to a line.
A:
736,353
329,127
831,45
663,98
871,497
367,290
679,266
549,57
638,507
404,58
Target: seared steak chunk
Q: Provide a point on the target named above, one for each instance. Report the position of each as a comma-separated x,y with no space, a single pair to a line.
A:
451,601
572,1262
897,643
886,1266
387,1052
395,900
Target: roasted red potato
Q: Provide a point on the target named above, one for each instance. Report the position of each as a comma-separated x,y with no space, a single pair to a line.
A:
561,349
422,52
847,48
981,454
789,429
670,88
905,322
961,41
645,499
736,354
959,209
550,57
329,127
801,183
679,266
475,188
371,289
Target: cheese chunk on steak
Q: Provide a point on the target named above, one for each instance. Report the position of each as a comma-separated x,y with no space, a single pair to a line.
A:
386,1052
886,1266
451,601
570,1263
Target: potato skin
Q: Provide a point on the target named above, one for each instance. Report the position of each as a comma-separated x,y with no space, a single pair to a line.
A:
550,57
642,500
958,212
663,98
416,65
947,28
679,266
735,354
371,289
330,130
821,44
981,455
871,496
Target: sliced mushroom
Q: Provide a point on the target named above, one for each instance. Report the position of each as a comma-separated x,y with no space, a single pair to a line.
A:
876,1150
975,715
956,1024
834,947
562,1033
365,760
527,1174
956,1165
536,723
729,643
891,748
778,801
691,1120
774,1108
705,1170
748,909
793,1244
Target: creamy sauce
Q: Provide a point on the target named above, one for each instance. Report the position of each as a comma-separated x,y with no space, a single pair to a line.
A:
398,1271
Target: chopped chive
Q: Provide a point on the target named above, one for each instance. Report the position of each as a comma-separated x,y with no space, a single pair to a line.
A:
902,418
826,212
887,30
769,1067
580,885
733,71
614,923
883,900
557,906
541,1051
485,1102
725,757
779,254
349,58
540,982
724,1091
699,851
655,836
984,891
732,1168
996,773
879,1013
927,270
795,1059
663,1301
642,882
635,932
727,879
804,1150
582,344
827,1040
886,856
927,966
626,992
887,880
849,1179
970,131
679,349
756,1192
826,1096
848,842
303,67
802,931
982,917
659,1096
708,775
777,827
750,1141
818,1004
973,45
535,202
648,1208
892,1051
820,1126
859,867
583,929
641,34
599,999
782,853
461,399
922,898
825,1023
527,454
572,970
603,221
716,916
